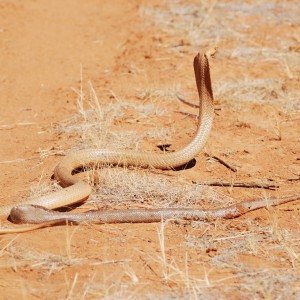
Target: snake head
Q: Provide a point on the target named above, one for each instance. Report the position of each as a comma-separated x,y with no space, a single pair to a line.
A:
28,213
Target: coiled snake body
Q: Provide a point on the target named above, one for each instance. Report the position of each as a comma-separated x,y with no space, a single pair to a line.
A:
38,210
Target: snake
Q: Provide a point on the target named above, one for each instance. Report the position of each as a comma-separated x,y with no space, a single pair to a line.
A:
39,211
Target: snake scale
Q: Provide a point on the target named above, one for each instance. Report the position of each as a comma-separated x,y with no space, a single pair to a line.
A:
38,210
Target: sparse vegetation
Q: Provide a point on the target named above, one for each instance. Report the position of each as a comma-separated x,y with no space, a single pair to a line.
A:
252,257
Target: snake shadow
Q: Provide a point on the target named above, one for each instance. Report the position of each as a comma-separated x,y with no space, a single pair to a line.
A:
188,165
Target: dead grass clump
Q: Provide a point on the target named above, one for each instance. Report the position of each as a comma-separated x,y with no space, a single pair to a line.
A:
96,125
251,253
127,188
214,23
25,258
262,241
93,126
158,93
257,91
123,287
43,188
270,284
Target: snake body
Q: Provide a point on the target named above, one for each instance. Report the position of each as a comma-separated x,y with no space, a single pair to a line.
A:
38,210
76,190
39,214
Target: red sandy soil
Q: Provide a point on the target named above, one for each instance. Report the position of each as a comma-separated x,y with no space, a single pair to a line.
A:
43,46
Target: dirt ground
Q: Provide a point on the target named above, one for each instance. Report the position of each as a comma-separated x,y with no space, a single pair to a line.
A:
62,60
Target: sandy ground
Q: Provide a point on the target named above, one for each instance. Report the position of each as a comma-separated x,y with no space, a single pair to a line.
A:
136,56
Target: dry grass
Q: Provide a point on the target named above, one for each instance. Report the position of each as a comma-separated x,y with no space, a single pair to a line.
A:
114,188
127,188
97,124
214,23
229,244
154,93
213,263
257,91
121,187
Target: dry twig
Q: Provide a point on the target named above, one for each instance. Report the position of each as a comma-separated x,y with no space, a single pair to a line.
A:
221,161
257,185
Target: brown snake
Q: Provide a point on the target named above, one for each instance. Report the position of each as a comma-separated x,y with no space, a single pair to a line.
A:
38,211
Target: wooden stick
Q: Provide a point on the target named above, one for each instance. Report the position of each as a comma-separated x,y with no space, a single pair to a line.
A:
221,161
187,114
257,185
187,102
294,179
192,104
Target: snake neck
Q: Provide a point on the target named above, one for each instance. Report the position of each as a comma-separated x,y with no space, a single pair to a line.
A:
206,108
